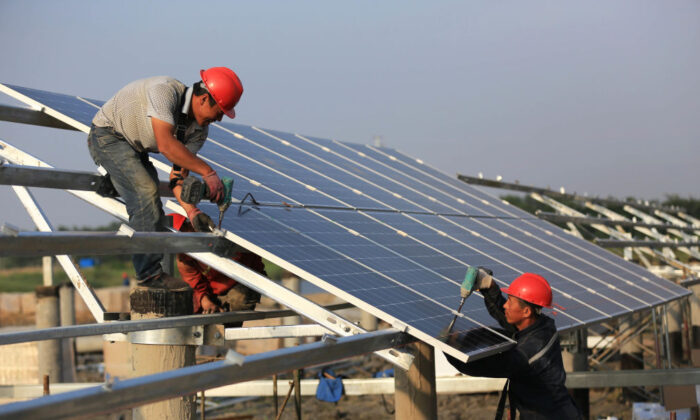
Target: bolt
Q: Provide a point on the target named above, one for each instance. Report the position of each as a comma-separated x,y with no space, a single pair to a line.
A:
217,335
197,334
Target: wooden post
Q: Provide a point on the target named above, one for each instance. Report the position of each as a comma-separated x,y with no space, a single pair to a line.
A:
152,358
576,360
47,316
66,294
415,397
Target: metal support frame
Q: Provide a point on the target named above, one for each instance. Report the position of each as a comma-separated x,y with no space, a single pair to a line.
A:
147,324
28,176
119,395
261,284
617,243
560,218
461,384
275,331
611,232
31,244
42,223
29,116
560,195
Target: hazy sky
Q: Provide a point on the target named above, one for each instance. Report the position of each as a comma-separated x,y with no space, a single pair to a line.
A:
600,97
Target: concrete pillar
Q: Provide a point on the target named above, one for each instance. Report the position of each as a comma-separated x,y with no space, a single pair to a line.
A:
368,321
66,294
415,396
47,316
576,360
292,283
153,358
695,316
47,265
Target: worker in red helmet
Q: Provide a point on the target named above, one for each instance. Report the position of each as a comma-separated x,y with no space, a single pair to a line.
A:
214,291
534,368
161,115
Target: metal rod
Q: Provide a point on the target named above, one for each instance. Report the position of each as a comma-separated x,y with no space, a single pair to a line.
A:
657,348
41,177
131,392
666,337
286,399
32,117
201,405
147,324
617,243
42,224
30,244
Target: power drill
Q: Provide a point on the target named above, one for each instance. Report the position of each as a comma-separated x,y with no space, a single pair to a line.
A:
465,290
194,190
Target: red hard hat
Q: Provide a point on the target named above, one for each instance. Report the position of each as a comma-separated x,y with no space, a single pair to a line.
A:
224,86
531,288
178,220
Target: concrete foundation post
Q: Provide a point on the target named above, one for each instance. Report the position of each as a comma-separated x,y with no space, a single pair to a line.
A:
368,321
576,359
66,294
47,268
47,316
415,395
152,358
695,316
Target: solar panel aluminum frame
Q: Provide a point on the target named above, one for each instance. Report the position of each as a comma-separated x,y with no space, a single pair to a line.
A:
262,284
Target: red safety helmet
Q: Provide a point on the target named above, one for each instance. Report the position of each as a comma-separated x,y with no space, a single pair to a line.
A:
178,220
531,288
224,86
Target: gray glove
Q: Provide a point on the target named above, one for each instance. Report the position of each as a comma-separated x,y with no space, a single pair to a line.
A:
484,279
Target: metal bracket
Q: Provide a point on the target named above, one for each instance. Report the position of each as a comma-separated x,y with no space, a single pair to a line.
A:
184,336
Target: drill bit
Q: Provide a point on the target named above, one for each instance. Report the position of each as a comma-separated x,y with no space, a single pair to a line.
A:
465,291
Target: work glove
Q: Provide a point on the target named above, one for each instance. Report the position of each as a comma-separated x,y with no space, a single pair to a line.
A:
215,186
484,279
200,221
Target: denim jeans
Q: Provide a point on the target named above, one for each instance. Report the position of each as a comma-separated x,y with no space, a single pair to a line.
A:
136,180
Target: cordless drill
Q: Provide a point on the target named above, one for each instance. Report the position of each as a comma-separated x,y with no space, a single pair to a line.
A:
465,290
194,190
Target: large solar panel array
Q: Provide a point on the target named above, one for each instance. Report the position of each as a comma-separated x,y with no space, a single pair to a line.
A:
394,236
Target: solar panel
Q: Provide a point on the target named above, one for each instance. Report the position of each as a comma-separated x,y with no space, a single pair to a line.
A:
393,236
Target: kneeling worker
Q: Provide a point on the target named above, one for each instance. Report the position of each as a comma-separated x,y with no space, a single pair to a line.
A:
534,365
214,291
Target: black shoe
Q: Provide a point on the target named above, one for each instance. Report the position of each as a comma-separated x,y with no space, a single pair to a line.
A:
163,281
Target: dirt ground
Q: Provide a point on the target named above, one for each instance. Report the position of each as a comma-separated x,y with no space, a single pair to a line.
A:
372,407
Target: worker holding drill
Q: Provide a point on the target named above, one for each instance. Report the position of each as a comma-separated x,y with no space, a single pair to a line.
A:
534,367
161,115
214,291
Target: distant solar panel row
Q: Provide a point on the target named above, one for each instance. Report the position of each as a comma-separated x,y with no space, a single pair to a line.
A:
394,236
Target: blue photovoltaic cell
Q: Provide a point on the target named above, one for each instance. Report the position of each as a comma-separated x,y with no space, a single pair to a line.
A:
391,233
373,275
66,104
346,172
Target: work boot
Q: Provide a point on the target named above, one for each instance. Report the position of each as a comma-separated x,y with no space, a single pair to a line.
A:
163,281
